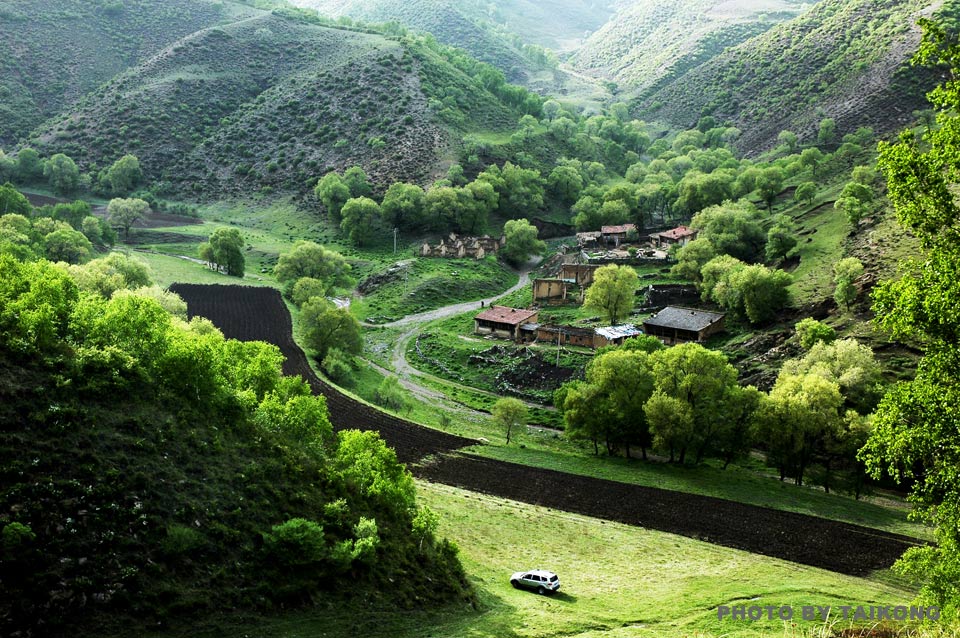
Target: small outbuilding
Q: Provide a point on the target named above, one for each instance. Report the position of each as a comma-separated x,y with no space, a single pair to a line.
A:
681,235
566,335
615,335
675,324
549,290
616,234
503,321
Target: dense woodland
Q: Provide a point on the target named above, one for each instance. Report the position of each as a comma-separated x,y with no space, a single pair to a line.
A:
153,469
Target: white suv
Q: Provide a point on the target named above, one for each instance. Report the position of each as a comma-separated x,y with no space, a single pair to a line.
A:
538,580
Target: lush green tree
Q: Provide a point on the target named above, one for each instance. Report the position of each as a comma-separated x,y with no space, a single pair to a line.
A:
29,166
13,201
337,365
845,273
370,469
520,241
333,192
62,174
849,364
700,379
806,192
799,414
733,229
691,259
356,180
107,275
520,189
810,332
309,259
402,205
827,133
671,423
73,213
325,326
441,206
696,190
754,291
769,184
565,183
359,219
613,292
124,213
224,251
585,413
91,228
509,414
812,158
781,238
8,166
789,140
123,175
624,379
67,245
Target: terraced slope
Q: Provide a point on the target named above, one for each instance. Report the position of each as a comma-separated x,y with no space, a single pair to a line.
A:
269,102
52,52
844,59
645,43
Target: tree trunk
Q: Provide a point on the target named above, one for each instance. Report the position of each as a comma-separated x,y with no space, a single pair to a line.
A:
683,454
643,452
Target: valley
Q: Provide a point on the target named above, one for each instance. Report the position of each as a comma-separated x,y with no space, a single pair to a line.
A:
319,317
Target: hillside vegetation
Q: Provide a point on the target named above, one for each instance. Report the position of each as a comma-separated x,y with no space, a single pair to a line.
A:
647,42
153,471
52,52
221,112
845,60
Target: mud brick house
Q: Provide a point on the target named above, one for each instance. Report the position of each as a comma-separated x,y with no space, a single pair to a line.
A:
615,335
675,324
503,321
681,235
454,247
616,234
567,335
579,274
549,290
588,239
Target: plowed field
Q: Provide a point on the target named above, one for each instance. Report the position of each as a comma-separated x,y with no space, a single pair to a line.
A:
249,313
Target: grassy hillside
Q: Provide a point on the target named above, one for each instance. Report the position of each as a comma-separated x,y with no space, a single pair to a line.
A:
271,102
647,42
847,60
145,465
52,52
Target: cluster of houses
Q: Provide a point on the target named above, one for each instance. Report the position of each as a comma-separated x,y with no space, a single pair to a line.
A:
455,247
612,241
671,325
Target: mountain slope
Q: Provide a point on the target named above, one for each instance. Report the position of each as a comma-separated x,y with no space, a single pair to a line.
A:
52,52
845,59
647,41
272,101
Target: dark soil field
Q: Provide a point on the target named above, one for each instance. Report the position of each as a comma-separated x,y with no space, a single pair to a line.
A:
248,313
251,313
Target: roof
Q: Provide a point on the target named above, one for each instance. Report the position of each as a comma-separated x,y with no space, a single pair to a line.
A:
568,330
684,318
616,230
504,314
619,332
678,233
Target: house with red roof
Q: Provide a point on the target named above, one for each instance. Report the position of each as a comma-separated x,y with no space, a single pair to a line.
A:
503,321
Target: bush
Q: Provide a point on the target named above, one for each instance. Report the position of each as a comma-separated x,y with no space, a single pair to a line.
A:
296,542
337,366
389,394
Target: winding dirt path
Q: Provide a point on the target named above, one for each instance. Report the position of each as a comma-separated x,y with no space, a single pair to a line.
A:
251,313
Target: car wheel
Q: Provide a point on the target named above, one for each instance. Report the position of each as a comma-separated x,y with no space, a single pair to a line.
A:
515,583
541,590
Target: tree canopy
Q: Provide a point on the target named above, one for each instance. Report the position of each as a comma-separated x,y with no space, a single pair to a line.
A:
613,292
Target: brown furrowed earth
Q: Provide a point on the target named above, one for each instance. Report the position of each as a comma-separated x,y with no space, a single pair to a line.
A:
248,313
251,313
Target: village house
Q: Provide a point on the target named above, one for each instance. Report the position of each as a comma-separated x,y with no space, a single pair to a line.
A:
579,274
674,324
616,234
455,247
681,235
566,335
588,239
503,321
549,291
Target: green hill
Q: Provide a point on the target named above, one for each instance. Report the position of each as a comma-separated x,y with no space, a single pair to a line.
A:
52,52
155,476
272,101
844,59
647,42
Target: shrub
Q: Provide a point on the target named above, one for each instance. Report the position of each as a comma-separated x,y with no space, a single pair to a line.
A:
296,542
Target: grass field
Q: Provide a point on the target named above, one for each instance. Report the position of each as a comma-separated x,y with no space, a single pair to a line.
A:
616,581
